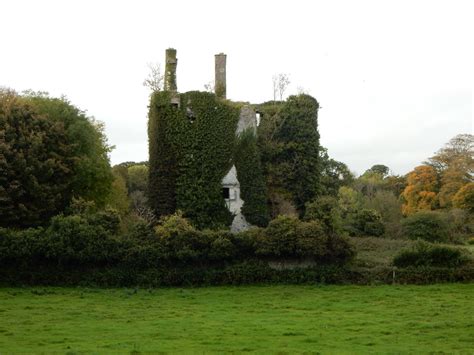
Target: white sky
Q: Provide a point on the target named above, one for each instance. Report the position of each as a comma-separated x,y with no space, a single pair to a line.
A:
394,78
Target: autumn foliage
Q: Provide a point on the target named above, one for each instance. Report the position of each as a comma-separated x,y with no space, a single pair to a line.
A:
420,193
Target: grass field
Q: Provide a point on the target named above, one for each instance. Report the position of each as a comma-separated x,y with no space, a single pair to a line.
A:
259,318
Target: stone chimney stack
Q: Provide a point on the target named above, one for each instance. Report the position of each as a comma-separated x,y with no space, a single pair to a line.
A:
220,87
170,70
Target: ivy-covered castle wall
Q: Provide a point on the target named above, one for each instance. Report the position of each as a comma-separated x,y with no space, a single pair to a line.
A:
191,147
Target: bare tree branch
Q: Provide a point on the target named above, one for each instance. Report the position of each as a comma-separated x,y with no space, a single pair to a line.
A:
154,80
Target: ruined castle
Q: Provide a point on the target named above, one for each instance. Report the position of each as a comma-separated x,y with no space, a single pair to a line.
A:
247,121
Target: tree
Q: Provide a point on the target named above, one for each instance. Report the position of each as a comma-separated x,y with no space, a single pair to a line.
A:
50,153
118,199
464,198
420,193
137,178
280,84
380,169
325,210
454,164
154,80
209,87
431,226
334,174
459,150
92,175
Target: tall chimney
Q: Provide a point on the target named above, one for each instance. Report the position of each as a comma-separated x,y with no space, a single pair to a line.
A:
220,87
170,70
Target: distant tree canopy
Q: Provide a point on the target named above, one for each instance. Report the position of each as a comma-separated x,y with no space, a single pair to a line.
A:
380,169
454,164
420,193
50,152
334,174
444,181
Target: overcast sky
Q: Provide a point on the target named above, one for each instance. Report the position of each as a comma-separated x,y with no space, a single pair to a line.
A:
394,78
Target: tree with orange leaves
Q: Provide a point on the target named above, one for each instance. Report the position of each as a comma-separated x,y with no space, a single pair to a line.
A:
464,198
421,190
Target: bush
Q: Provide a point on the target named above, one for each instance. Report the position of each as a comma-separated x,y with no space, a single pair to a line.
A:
279,239
325,210
288,237
368,222
425,254
426,225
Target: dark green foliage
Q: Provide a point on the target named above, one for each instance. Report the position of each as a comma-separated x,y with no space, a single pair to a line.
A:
288,237
380,169
426,225
334,174
367,222
425,254
50,152
89,241
35,165
251,179
191,148
289,142
83,250
163,160
91,172
68,242
326,211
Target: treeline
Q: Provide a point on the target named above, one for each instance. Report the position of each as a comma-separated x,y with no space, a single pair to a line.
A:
434,202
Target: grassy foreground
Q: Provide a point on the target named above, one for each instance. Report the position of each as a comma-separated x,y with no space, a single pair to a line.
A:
257,318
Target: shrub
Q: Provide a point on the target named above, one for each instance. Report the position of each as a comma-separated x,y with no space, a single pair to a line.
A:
279,238
76,239
288,237
426,225
325,210
425,254
368,222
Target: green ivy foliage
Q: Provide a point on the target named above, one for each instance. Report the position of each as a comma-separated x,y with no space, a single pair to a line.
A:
289,142
191,147
162,163
251,179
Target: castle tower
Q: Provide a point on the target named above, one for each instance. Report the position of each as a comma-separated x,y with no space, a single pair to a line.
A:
170,70
220,80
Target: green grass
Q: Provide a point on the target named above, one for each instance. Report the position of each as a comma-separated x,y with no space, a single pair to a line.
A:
338,319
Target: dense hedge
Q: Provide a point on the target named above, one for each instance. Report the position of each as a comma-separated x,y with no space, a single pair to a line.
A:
191,147
425,254
85,250
89,242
